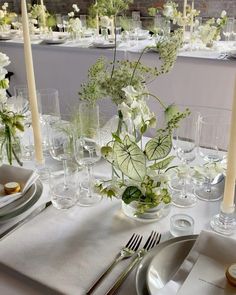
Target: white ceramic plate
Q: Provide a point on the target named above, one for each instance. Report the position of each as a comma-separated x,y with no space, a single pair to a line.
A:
104,45
5,38
167,270
54,41
22,204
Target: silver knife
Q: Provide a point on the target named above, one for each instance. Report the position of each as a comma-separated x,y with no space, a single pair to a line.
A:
25,219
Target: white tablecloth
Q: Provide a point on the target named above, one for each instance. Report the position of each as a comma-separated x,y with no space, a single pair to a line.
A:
66,250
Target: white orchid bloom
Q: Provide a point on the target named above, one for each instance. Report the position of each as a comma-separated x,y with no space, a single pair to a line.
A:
223,13
71,14
126,110
75,7
3,96
4,60
2,14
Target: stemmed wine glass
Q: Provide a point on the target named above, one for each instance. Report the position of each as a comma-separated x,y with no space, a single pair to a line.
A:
87,150
213,140
62,149
228,28
185,144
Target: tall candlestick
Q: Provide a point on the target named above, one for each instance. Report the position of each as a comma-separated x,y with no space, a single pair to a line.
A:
184,15
227,205
31,85
191,25
97,18
43,14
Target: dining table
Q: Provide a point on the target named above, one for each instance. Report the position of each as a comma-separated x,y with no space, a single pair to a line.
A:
201,76
65,251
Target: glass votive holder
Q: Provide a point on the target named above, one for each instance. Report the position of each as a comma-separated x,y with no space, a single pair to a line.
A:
181,225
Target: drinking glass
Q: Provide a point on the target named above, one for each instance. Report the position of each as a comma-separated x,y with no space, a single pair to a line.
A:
87,150
62,149
228,28
59,22
213,140
185,144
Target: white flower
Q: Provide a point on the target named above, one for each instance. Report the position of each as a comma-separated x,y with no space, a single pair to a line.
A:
5,5
3,96
223,13
131,94
75,24
218,21
126,110
4,60
2,14
71,14
105,21
75,7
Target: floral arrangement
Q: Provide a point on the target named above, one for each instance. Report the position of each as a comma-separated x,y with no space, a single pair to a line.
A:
170,11
210,31
5,16
74,23
37,15
139,172
10,122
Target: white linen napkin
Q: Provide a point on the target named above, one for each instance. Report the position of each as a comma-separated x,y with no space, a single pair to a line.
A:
203,270
25,177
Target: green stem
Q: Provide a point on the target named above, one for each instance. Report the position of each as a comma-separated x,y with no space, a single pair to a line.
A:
158,99
137,63
119,127
16,157
115,50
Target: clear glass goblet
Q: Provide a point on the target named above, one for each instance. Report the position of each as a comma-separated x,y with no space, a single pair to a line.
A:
87,150
213,141
62,149
185,144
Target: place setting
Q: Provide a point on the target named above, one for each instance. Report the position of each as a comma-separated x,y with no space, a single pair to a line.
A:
110,184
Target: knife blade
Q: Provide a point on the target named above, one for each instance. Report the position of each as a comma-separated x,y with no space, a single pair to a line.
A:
18,224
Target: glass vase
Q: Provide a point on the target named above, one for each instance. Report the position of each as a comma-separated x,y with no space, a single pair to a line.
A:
151,215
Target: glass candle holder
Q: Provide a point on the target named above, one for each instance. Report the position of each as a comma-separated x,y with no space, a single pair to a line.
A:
181,225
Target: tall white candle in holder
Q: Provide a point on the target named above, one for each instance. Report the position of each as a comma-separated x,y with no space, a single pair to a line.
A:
184,14
191,25
31,85
43,14
227,205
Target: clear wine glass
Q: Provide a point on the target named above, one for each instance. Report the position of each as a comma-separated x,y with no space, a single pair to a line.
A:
87,150
185,144
213,140
228,28
62,149
59,22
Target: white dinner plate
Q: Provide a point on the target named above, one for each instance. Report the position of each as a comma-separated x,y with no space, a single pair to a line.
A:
166,270
104,45
5,38
22,204
54,41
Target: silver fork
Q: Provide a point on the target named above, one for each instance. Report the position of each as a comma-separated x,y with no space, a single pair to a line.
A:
127,251
152,241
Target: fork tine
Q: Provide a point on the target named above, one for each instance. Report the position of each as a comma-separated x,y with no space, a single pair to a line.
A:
133,243
130,240
148,240
155,241
138,243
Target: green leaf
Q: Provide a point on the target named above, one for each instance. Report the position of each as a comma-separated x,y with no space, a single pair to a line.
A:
162,164
143,129
132,193
130,159
159,147
116,137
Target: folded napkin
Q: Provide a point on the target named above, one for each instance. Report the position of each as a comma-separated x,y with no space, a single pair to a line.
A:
25,177
203,270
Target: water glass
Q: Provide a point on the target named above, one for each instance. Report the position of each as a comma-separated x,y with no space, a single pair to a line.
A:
87,150
181,225
64,198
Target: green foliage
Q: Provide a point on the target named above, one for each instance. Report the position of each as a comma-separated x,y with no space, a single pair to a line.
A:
11,122
129,158
111,7
159,147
